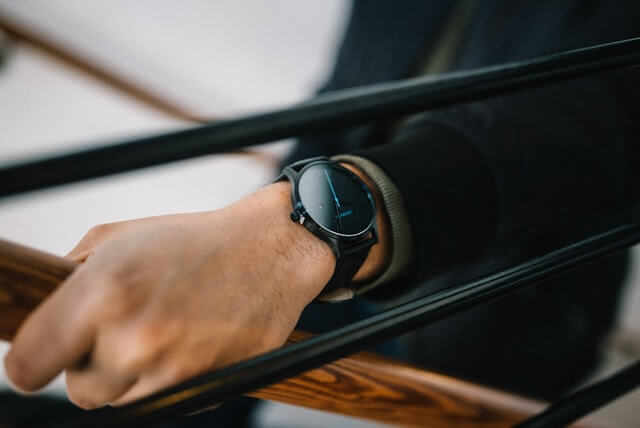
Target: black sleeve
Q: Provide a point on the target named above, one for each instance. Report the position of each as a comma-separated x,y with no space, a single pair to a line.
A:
532,170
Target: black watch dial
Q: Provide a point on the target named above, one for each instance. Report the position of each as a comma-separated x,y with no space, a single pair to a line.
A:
335,199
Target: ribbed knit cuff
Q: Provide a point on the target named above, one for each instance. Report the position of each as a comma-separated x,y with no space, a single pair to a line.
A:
401,237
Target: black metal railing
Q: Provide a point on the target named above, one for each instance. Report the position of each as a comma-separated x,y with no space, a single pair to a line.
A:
341,109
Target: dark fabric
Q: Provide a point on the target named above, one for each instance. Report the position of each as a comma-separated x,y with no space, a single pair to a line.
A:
492,183
18,411
451,200
383,41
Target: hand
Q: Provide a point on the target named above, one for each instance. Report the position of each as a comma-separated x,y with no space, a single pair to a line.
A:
161,299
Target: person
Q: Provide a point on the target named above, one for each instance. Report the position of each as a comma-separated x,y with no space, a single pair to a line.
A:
460,191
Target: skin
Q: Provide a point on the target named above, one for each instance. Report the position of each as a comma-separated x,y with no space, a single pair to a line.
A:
161,299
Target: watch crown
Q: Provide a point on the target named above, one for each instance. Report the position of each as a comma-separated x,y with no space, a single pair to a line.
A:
295,215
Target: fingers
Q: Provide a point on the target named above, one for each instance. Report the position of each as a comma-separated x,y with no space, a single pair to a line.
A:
122,370
152,382
142,388
123,353
95,386
58,334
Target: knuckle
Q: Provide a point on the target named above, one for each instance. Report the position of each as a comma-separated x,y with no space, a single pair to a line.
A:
111,289
97,298
139,351
132,361
147,338
93,235
98,230
179,372
126,363
89,241
108,297
96,234
116,289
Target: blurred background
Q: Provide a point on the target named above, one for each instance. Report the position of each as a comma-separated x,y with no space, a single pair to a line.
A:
85,72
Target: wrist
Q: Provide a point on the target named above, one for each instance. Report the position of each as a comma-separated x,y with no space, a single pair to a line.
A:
309,259
380,253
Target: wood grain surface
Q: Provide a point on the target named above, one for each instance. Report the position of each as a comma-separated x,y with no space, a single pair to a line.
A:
363,385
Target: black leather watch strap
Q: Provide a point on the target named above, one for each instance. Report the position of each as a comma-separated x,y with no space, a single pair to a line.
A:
350,255
297,166
349,262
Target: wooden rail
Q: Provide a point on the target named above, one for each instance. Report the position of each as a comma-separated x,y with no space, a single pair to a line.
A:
120,83
363,385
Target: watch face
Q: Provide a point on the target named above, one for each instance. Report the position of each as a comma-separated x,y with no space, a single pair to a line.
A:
336,199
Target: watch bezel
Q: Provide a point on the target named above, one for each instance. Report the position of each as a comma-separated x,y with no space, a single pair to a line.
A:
301,210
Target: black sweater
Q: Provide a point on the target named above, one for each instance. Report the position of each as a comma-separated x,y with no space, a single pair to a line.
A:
490,183
530,171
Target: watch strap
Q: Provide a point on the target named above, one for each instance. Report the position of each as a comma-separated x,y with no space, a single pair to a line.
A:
297,166
349,262
349,256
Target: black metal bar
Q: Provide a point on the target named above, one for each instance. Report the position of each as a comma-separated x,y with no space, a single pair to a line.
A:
331,110
292,360
586,400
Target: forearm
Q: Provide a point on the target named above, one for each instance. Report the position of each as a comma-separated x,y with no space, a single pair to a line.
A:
522,174
449,197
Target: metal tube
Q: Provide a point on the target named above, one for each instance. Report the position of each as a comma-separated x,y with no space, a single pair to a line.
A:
338,109
586,400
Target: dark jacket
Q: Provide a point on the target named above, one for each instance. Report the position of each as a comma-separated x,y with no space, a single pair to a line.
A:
491,183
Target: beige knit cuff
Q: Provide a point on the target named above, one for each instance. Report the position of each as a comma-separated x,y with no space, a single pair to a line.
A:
401,237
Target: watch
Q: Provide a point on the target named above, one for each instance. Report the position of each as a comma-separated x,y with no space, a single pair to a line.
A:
335,205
